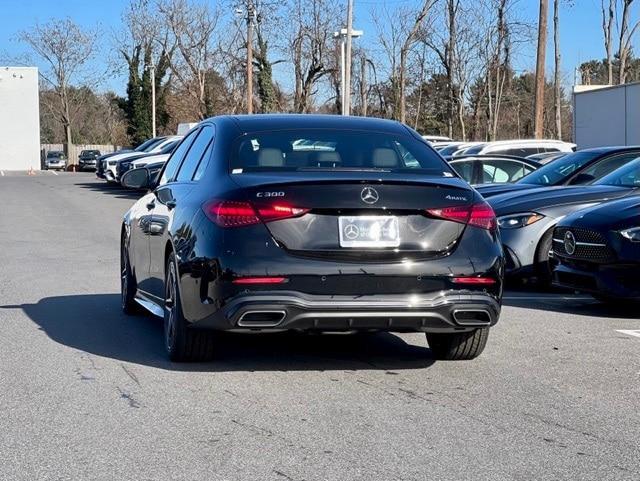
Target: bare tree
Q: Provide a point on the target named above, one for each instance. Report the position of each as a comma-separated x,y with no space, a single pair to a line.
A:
193,26
311,46
145,43
458,51
624,43
608,17
398,33
498,60
65,49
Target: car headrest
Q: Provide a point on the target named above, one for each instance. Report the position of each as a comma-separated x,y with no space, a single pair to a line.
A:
328,157
270,157
384,157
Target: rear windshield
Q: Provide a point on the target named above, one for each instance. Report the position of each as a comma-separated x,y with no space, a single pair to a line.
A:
626,176
558,170
301,150
474,150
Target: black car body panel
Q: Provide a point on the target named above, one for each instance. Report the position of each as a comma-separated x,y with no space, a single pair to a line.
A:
593,255
544,197
408,287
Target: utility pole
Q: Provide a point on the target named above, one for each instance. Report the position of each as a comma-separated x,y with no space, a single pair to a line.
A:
347,70
556,75
250,15
153,100
540,64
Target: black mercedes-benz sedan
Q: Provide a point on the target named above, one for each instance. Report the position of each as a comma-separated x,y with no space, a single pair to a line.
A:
597,250
311,223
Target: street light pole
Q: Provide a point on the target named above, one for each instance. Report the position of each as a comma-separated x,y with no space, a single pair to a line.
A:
345,89
342,79
153,100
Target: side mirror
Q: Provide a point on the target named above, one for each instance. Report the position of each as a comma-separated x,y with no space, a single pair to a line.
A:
582,179
136,179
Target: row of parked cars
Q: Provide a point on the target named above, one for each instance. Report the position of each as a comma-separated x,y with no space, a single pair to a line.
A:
327,223
567,218
57,160
152,154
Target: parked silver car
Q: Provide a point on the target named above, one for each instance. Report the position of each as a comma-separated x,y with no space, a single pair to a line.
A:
55,160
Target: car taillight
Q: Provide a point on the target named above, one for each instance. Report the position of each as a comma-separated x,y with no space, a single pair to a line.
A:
279,211
259,280
228,213
477,281
478,215
231,214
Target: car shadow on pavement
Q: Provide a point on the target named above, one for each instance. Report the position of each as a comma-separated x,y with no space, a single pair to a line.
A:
95,324
115,190
581,305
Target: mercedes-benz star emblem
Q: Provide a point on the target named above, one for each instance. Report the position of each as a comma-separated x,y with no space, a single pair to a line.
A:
369,195
569,243
351,231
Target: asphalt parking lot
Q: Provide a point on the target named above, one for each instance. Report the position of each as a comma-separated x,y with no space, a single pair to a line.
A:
87,393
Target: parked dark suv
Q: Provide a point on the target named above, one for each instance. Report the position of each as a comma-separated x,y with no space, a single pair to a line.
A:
87,159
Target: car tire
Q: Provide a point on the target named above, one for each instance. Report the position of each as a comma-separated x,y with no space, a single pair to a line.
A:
183,343
543,267
458,346
128,284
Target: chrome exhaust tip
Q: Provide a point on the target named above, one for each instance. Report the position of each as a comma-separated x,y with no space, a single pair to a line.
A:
472,317
261,318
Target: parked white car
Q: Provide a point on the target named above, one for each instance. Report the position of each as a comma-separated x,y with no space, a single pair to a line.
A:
520,148
151,159
111,172
436,138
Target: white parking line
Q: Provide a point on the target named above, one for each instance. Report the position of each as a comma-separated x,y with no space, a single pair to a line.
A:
2,173
53,172
629,332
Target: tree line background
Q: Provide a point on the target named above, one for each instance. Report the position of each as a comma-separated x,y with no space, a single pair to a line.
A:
441,66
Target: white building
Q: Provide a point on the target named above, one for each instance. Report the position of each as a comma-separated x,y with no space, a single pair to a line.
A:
19,119
606,115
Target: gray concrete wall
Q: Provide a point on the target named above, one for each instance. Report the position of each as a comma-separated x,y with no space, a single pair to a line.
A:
19,119
607,116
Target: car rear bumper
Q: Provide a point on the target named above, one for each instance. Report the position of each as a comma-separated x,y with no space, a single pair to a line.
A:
607,280
278,310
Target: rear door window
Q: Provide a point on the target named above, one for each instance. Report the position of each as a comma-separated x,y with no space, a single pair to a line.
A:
195,153
174,162
464,168
504,170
